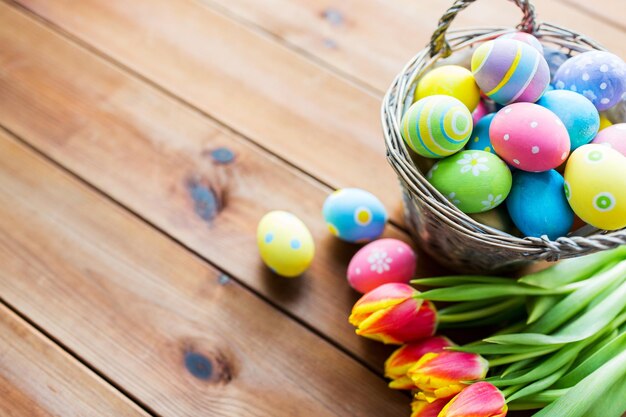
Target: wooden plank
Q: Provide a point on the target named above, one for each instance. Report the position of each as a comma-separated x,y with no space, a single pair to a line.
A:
163,161
611,11
37,378
174,332
371,40
296,109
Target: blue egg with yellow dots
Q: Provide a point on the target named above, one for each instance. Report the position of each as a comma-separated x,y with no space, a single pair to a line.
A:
479,141
354,215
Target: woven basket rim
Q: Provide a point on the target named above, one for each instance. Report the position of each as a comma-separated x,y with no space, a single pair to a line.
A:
582,241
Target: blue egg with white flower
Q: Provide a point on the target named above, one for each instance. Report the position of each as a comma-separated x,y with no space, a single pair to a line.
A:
354,215
479,141
598,75
538,206
577,112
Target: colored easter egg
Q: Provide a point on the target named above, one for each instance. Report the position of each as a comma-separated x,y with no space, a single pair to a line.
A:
537,204
437,126
510,71
604,121
450,80
497,218
481,111
354,215
613,137
480,135
555,59
474,181
578,114
524,37
598,75
381,262
285,243
595,186
529,137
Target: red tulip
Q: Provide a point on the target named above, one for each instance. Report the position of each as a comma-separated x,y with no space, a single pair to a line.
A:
427,409
477,400
392,314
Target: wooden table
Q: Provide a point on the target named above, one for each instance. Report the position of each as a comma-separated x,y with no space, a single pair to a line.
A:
140,143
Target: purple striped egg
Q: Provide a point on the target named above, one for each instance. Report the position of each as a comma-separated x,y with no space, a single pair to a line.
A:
509,71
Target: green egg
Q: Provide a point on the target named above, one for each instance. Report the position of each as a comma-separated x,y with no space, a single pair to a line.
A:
474,181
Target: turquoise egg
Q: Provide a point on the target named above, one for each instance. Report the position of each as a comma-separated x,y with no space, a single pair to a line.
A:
354,215
479,141
538,206
577,112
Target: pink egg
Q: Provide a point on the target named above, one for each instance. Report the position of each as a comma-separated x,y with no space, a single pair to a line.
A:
614,137
381,262
481,111
524,37
529,137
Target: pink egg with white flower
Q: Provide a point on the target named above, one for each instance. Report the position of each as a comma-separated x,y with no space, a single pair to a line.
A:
529,137
613,137
381,262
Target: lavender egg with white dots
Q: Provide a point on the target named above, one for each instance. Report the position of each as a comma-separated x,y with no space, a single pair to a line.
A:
598,75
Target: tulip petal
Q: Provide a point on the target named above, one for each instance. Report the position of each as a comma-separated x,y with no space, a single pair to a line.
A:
381,298
405,322
400,361
444,373
426,409
477,400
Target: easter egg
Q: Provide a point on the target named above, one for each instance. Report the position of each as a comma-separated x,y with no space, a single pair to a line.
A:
481,111
381,262
437,126
529,137
450,80
598,75
595,186
285,243
497,218
474,181
613,137
604,122
509,71
354,215
524,37
480,135
578,114
537,204
555,59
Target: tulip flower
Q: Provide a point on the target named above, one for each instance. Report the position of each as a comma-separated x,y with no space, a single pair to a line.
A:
477,400
426,409
392,314
444,374
404,358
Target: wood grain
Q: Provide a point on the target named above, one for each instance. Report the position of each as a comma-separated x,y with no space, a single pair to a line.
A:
611,11
371,40
39,379
174,167
298,110
174,332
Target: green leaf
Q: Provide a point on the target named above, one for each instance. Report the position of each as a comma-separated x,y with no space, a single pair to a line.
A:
573,270
605,354
540,384
472,292
517,366
454,280
486,312
586,325
612,403
577,301
580,400
494,349
538,306
468,306
546,396
503,360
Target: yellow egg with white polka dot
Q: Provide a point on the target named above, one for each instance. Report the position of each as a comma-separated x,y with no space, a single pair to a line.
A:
285,243
595,186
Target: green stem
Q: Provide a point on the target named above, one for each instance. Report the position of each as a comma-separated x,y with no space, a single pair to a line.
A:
521,356
480,313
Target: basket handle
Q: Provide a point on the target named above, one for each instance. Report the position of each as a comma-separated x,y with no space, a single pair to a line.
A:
438,42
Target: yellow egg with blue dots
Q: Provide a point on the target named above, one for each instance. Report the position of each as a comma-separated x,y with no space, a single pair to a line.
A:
285,243
437,126
450,80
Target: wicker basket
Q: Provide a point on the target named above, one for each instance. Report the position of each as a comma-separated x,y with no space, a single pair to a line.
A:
449,235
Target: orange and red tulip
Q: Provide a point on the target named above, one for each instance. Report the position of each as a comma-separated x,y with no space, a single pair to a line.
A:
477,400
426,409
443,374
392,314
404,358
